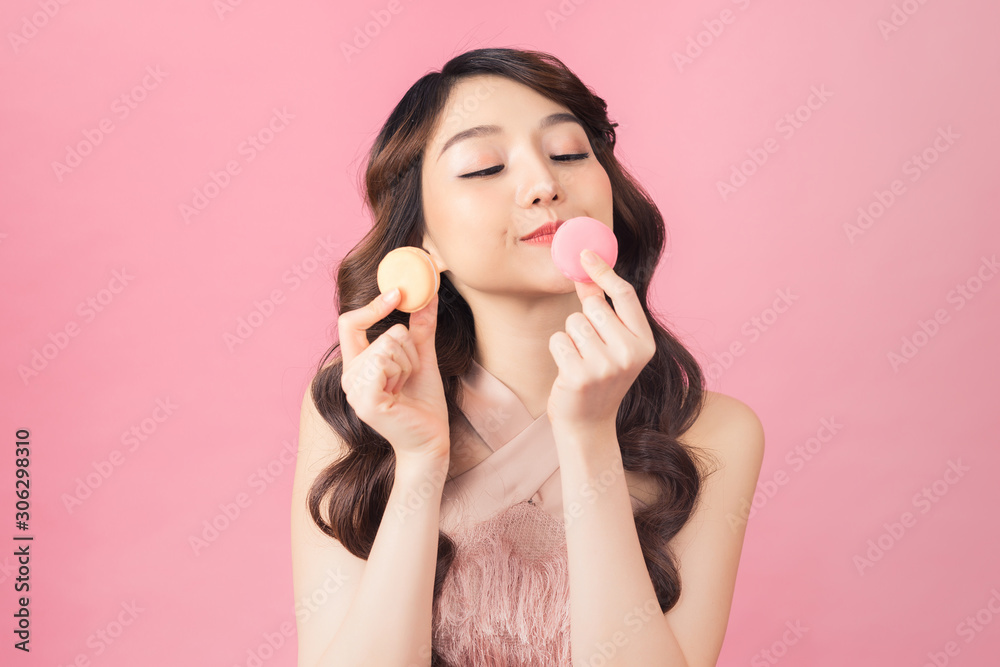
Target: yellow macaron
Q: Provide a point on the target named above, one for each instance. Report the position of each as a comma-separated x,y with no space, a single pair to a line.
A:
414,272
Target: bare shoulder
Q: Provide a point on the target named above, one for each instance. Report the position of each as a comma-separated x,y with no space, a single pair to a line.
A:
730,429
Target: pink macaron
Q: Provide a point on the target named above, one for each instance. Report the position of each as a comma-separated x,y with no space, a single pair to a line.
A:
576,234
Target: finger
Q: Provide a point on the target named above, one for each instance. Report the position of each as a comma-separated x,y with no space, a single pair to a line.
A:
393,349
368,370
609,326
394,376
597,309
622,293
352,325
585,290
405,339
423,328
387,370
587,340
563,349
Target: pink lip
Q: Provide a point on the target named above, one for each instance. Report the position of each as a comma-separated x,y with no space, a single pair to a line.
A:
542,239
543,233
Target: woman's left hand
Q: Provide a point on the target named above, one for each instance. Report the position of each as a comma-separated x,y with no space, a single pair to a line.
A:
601,352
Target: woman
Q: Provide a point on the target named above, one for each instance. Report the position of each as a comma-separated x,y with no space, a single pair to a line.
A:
400,559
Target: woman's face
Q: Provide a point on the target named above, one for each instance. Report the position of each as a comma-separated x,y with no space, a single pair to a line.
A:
488,187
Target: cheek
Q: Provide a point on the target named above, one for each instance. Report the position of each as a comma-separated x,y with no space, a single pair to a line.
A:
596,184
448,211
467,206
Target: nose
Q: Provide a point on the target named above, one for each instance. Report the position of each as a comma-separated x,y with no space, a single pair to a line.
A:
538,185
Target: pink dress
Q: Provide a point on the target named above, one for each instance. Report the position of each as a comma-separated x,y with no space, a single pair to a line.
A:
505,601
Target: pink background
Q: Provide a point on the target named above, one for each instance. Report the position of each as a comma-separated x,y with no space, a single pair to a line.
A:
295,206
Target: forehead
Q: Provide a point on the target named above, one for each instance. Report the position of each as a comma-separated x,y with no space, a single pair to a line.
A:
494,100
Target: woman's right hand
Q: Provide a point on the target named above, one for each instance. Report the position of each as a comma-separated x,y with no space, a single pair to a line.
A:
394,384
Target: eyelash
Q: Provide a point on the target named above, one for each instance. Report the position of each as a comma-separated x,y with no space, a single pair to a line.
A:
570,157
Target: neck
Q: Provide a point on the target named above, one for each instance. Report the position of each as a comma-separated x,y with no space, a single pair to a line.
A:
512,341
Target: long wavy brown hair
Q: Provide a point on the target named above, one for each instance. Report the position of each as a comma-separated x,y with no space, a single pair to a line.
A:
661,404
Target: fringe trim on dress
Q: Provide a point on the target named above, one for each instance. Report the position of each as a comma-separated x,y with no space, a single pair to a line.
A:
505,602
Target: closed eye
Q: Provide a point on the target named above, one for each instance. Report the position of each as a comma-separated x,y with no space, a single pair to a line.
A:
495,170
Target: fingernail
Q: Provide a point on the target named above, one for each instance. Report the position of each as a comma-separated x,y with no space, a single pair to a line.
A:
389,296
589,257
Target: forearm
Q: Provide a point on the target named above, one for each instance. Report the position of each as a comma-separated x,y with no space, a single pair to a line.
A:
615,618
396,589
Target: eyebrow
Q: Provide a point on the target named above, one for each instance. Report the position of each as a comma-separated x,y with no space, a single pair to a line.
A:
489,130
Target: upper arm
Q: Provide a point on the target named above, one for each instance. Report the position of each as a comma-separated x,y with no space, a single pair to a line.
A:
325,575
709,545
